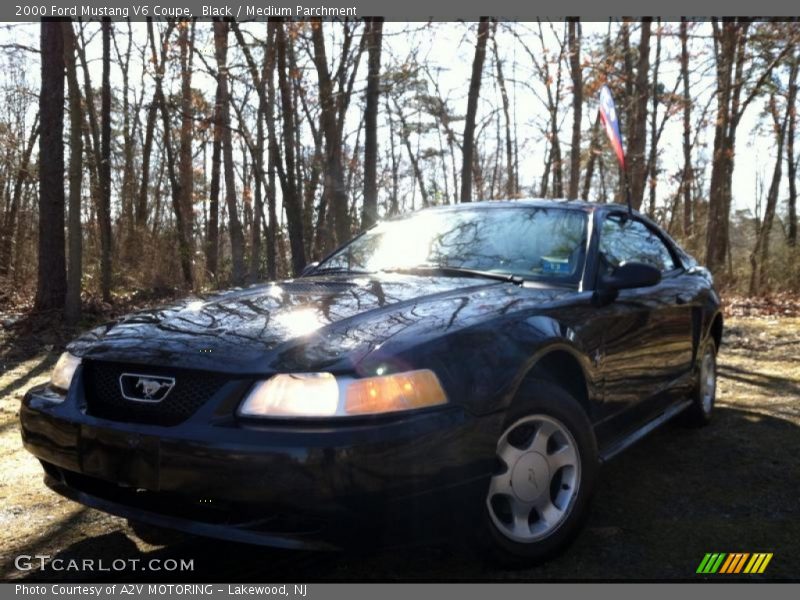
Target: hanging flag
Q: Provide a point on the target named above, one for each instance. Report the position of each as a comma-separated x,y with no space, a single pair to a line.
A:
608,114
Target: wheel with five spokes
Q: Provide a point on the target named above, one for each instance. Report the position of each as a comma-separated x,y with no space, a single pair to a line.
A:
546,467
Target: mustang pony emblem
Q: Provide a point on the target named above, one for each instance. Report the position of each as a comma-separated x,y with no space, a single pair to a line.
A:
532,478
145,388
150,387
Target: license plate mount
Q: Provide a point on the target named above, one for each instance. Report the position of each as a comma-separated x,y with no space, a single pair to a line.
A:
126,458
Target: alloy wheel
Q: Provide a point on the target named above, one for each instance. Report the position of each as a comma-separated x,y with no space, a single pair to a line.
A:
538,478
708,380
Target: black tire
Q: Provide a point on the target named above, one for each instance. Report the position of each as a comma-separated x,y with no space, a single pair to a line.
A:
156,536
555,404
701,411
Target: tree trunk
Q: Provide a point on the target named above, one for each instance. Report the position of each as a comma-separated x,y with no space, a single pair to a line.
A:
52,277
394,205
104,207
292,201
370,207
212,239
329,117
472,110
688,172
577,105
185,163
272,214
730,45
652,160
791,164
72,306
147,149
760,254
92,145
594,152
306,179
548,161
511,180
554,164
635,158
184,248
258,205
9,225
126,229
267,100
234,225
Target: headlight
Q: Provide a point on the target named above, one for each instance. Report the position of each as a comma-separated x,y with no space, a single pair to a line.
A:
323,395
64,371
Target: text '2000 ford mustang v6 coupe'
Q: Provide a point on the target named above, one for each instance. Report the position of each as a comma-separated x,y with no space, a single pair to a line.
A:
468,364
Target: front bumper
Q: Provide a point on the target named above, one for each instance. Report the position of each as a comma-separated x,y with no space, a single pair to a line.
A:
293,485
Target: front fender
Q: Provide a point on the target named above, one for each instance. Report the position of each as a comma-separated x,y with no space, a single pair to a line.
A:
481,366
556,349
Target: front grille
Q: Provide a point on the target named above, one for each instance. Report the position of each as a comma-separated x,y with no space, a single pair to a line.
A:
104,397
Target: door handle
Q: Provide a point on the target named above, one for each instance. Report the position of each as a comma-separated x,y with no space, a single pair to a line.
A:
683,298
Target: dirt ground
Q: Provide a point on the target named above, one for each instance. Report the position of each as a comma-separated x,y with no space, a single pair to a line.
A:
731,487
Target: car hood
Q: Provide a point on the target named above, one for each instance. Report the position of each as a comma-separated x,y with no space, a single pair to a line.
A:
310,323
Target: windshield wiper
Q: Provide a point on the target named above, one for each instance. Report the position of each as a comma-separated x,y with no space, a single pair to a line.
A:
337,271
459,272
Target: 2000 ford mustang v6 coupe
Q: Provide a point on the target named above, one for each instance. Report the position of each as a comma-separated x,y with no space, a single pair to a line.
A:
469,364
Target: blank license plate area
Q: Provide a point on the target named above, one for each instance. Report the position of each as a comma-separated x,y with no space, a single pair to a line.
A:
125,458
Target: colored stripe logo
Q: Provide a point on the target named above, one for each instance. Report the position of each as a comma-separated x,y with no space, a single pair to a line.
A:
734,563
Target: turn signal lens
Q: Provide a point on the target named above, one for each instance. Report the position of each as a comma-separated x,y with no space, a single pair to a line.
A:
391,393
323,395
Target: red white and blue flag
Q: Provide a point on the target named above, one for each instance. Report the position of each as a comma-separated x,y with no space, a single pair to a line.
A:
608,114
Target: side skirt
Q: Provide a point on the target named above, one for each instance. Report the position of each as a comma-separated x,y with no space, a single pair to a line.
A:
619,445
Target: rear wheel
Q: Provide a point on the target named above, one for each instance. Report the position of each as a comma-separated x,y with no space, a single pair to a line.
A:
705,393
547,464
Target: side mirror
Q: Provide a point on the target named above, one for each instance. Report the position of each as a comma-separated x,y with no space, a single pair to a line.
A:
631,275
309,268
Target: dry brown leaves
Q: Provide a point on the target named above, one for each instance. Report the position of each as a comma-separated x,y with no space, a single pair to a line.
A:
775,305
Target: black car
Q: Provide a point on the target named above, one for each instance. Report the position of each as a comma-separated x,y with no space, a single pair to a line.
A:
462,365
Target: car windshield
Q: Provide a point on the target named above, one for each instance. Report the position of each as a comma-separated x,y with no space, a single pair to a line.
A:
528,242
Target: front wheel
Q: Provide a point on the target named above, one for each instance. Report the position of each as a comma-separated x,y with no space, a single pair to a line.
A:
547,463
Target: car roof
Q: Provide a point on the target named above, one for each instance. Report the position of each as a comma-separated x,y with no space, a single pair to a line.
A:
581,205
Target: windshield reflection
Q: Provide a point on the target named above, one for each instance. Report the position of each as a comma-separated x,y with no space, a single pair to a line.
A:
528,242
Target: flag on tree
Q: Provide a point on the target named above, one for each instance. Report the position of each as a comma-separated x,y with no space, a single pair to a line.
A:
608,114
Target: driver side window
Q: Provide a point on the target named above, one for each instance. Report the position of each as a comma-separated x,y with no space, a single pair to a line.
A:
627,240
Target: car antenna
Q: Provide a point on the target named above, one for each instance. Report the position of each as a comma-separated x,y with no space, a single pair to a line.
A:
628,192
608,115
